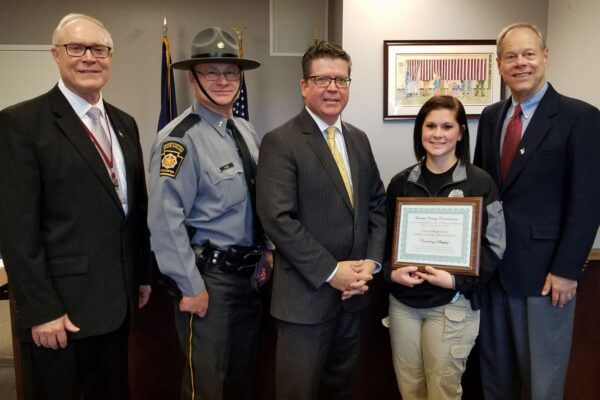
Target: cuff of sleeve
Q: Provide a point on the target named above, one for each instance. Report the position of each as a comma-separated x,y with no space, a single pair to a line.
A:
377,266
193,286
332,274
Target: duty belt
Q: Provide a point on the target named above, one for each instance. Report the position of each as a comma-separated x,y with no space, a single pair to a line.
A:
235,259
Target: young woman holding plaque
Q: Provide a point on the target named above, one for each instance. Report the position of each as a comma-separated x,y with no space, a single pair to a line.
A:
434,315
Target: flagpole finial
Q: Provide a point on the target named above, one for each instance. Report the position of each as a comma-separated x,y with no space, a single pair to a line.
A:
239,31
165,26
316,34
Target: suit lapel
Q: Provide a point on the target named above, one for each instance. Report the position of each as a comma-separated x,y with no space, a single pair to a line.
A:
73,129
496,140
124,135
314,138
534,135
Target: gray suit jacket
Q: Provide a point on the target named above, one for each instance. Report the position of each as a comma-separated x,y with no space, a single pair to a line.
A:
305,210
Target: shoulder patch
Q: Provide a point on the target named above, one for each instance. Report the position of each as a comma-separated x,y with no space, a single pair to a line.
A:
172,155
185,124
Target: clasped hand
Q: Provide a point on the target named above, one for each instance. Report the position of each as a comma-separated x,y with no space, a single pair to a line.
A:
352,276
411,276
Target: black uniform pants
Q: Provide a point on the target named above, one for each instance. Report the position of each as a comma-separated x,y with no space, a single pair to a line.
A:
223,344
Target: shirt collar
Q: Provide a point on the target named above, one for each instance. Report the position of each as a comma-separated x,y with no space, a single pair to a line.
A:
529,105
78,103
322,124
217,121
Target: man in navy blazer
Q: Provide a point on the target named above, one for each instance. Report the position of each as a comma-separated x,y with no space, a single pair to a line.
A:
73,224
551,199
325,213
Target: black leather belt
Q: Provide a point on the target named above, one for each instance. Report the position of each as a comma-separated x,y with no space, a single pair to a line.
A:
235,259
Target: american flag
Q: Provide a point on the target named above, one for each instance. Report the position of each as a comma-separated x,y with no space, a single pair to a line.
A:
240,107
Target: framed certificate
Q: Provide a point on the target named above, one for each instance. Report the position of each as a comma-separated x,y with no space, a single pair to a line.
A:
441,232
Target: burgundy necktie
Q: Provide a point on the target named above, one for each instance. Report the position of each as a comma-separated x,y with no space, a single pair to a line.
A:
511,142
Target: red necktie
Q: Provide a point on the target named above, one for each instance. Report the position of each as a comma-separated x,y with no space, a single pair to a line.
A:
511,142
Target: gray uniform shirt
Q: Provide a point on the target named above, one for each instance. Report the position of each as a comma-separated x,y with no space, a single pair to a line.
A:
197,181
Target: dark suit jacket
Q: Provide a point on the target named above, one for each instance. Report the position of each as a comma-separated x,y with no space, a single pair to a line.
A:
305,210
67,245
551,196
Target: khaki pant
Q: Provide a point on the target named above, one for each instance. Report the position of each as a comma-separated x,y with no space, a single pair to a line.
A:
430,347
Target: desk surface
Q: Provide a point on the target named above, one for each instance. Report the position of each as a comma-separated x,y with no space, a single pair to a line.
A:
3,278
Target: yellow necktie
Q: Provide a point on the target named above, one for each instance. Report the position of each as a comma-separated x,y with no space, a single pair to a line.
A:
337,156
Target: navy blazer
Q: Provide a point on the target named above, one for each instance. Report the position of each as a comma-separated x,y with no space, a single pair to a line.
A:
66,242
306,211
551,197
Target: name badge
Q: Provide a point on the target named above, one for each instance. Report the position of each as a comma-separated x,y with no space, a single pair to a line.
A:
226,167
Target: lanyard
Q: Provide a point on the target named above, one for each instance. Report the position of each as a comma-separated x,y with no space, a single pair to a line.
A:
109,161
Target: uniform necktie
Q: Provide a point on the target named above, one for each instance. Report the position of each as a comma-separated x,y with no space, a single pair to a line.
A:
512,138
104,144
249,170
337,156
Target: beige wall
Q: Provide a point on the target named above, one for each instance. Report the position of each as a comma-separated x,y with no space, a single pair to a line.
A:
367,24
573,34
573,42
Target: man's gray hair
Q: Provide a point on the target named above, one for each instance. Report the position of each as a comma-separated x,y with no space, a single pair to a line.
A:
509,28
74,17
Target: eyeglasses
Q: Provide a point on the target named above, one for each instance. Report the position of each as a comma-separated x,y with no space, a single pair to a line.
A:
325,81
214,75
78,50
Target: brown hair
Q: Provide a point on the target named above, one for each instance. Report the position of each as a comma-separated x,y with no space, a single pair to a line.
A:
462,151
323,49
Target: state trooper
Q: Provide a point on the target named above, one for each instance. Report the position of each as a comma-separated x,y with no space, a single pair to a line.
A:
205,233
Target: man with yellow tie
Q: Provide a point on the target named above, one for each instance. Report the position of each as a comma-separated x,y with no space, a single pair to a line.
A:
321,201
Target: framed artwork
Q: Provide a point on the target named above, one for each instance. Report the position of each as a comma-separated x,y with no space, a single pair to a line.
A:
414,71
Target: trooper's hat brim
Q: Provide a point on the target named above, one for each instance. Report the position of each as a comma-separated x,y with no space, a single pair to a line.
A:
215,45
243,63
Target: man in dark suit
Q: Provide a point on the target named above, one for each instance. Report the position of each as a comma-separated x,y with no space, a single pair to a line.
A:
542,149
73,223
321,202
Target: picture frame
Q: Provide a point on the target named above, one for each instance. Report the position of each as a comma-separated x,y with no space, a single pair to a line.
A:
441,232
416,70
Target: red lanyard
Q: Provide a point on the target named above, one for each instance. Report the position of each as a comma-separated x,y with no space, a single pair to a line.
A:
109,161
